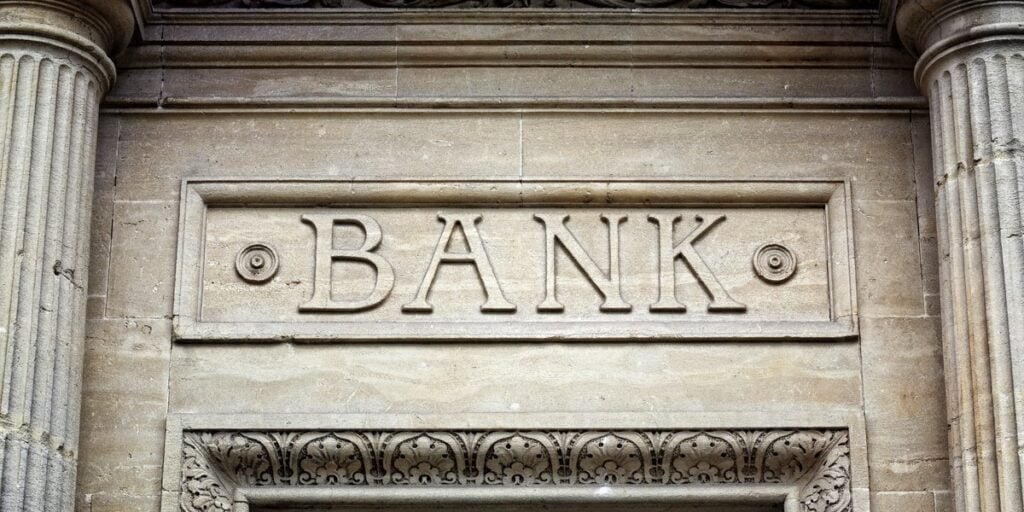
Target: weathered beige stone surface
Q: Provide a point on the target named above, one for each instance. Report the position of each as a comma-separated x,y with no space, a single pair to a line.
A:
124,469
255,122
901,382
873,151
907,452
386,145
577,378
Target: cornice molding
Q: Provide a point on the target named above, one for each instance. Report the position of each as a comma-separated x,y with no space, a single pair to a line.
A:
220,468
360,20
473,54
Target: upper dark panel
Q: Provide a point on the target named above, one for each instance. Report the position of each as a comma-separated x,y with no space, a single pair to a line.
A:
514,4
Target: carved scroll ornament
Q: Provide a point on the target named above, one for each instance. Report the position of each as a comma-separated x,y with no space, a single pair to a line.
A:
216,463
513,4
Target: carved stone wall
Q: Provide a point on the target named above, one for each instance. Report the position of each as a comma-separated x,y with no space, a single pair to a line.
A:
324,233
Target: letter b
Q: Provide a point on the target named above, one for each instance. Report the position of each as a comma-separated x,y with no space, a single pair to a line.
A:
326,255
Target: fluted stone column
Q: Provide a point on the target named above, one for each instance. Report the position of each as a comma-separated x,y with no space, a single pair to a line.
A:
971,67
53,71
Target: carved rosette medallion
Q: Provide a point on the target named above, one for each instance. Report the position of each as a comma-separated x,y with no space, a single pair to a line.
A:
216,464
256,263
774,263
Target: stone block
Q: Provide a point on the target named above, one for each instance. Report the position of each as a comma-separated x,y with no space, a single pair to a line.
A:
903,387
137,87
888,258
894,81
114,502
262,83
921,136
515,81
750,82
95,307
872,150
944,501
303,378
143,254
102,204
156,153
902,502
124,404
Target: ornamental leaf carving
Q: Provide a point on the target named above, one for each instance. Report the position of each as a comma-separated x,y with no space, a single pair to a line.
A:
217,463
829,490
518,460
245,459
611,459
794,454
705,458
424,459
331,460
204,489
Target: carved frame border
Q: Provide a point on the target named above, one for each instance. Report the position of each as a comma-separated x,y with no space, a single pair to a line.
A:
231,462
830,194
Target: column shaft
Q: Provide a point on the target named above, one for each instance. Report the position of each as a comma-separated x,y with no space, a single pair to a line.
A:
977,112
53,73
48,115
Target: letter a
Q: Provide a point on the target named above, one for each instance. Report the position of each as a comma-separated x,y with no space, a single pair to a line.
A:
323,227
607,285
476,256
667,302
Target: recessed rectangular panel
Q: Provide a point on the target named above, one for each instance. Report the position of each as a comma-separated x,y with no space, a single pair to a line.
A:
558,260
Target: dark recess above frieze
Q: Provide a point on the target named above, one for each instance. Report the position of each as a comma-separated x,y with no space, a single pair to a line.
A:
515,4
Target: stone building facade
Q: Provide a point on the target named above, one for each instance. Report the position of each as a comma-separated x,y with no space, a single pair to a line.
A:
717,255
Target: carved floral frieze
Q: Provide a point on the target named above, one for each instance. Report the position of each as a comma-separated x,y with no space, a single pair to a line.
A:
513,4
216,463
